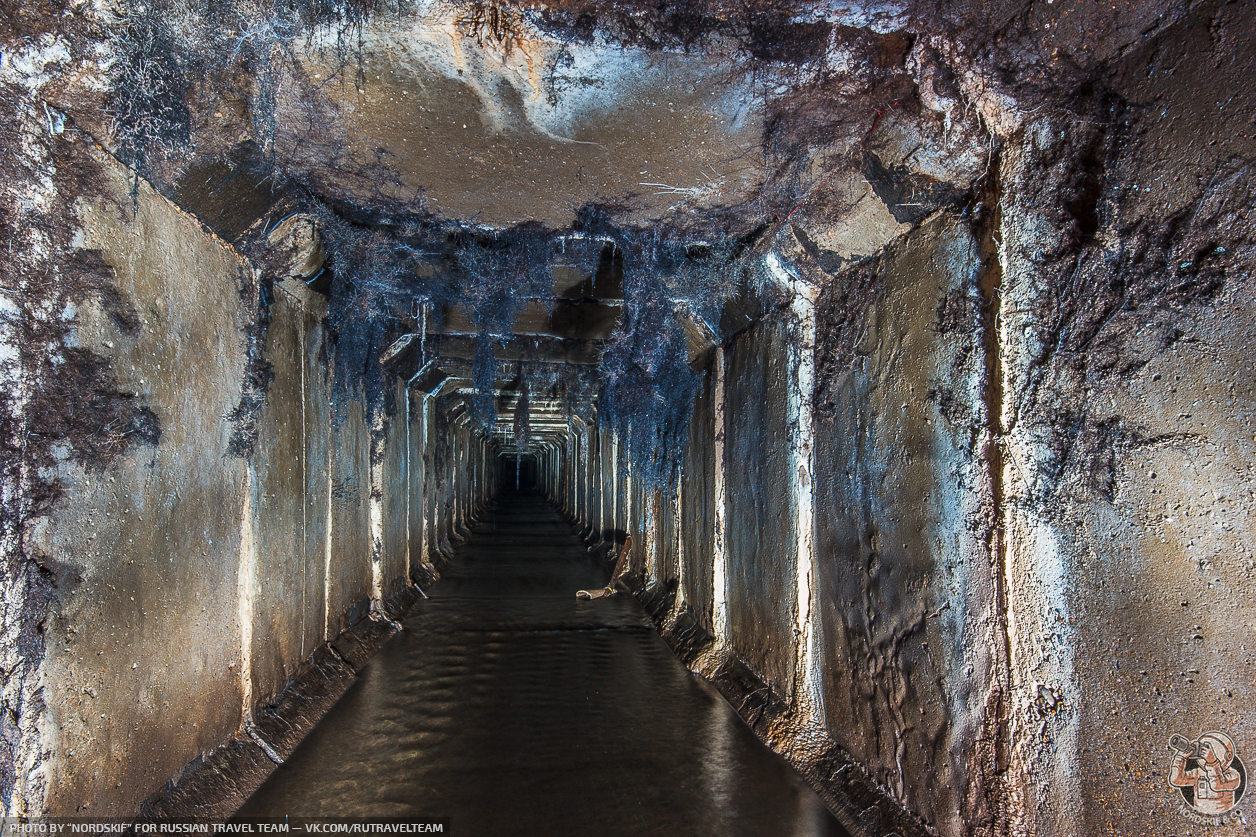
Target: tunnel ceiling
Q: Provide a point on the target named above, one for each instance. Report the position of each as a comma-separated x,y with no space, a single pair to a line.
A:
557,200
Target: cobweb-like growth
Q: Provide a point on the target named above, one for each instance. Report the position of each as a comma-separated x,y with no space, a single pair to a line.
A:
162,51
523,424
484,381
497,274
643,388
384,265
647,386
150,82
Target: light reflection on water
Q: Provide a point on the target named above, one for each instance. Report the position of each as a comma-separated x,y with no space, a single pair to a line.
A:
512,708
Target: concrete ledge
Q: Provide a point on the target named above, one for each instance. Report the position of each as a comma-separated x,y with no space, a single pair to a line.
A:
307,698
359,643
215,785
864,807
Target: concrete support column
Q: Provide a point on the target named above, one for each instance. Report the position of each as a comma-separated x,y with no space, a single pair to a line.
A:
678,535
719,545
651,527
585,487
802,478
616,523
453,480
629,490
430,534
568,472
592,469
602,493
408,481
586,469
577,471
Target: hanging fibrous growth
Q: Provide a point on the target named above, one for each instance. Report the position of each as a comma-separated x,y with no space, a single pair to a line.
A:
523,427
383,264
484,382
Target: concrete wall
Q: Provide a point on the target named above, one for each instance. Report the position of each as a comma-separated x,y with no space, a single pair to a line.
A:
290,495
1128,418
349,575
391,496
696,528
761,558
419,421
906,593
835,529
241,522
143,665
1033,508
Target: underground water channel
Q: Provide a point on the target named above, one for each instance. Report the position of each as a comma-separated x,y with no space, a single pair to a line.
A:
765,417
511,706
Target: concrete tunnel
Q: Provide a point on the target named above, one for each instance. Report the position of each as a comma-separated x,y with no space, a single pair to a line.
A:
905,344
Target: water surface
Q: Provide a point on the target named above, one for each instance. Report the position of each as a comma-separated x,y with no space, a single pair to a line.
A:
513,708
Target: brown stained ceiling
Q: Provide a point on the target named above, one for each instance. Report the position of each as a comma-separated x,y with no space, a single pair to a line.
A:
439,122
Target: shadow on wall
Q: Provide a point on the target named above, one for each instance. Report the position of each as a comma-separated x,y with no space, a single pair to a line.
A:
211,592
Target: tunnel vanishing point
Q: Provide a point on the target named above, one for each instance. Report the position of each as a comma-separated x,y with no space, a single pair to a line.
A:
910,341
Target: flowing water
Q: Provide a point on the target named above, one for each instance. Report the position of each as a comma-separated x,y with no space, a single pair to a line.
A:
512,708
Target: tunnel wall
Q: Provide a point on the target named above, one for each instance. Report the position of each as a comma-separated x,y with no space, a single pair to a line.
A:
696,526
389,495
760,541
1031,559
349,576
1028,569
897,658
905,587
1112,433
143,631
248,516
290,494
1129,510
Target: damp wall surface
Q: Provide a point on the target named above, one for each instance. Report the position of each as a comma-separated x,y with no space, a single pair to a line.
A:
761,582
905,587
1128,483
196,578
284,584
1030,558
697,502
1027,571
348,577
143,630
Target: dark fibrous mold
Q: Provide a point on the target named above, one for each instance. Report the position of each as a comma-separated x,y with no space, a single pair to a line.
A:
150,84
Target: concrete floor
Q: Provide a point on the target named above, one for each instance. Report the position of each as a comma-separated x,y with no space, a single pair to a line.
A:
511,707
